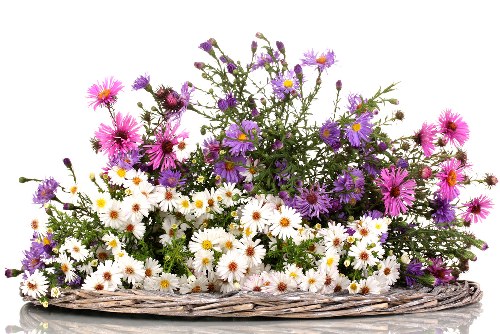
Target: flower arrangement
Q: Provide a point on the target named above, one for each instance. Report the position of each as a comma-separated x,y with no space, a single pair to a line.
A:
269,202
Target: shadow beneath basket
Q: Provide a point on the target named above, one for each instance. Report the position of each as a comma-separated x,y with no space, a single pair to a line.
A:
55,320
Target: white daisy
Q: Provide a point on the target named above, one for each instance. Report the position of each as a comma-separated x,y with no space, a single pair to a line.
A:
252,251
173,229
167,198
193,284
353,287
73,192
112,242
369,286
228,242
86,268
203,261
152,267
213,202
111,274
131,269
112,215
380,225
183,205
199,203
183,149
168,282
227,287
390,269
232,267
294,272
253,283
365,231
101,202
135,208
134,179
363,257
137,229
284,223
203,220
39,226
256,215
330,261
55,292
67,267
35,285
340,283
102,254
117,175
96,282
75,248
214,283
149,193
252,170
229,193
312,281
280,283
274,201
334,236
206,239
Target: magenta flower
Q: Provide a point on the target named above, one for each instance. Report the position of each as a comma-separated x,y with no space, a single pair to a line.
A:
161,153
397,193
285,84
440,272
453,128
240,138
121,138
425,137
323,60
450,176
477,209
104,94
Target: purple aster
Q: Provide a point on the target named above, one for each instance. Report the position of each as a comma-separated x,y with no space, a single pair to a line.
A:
375,214
211,149
398,193
141,82
185,97
413,271
402,163
440,272
125,160
46,191
277,145
285,84
171,179
240,138
280,46
265,59
350,186
312,201
222,104
230,168
330,134
48,243
231,100
231,67
281,176
355,103
33,257
383,237
206,46
359,131
443,212
298,70
425,137
322,61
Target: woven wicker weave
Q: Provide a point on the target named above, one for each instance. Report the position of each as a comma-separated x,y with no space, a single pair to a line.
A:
291,305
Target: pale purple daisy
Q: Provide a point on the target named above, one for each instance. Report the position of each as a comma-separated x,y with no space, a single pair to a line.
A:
330,134
240,138
46,191
312,201
121,138
443,212
141,82
230,168
34,257
265,59
285,84
350,186
185,97
323,60
161,153
413,272
425,137
125,160
450,177
171,178
355,102
206,46
359,131
398,193
453,128
104,94
477,209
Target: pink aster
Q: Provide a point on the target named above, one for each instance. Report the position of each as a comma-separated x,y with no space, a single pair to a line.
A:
425,137
104,94
477,209
450,176
122,137
162,153
398,193
323,60
453,128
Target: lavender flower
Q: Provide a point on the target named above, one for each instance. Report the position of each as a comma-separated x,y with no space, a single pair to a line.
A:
359,131
281,176
265,59
230,168
141,82
222,104
231,67
355,102
34,258
171,179
413,271
285,84
240,138
206,46
330,134
312,201
46,191
443,212
349,186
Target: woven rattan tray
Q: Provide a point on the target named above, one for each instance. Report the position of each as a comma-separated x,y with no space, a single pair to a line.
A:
292,305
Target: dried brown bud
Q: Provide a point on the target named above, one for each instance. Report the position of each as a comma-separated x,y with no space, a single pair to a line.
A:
491,180
405,146
399,115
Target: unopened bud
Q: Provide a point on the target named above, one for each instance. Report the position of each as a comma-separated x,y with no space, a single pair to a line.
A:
23,179
254,46
338,85
399,115
139,104
67,162
491,180
92,177
259,35
393,101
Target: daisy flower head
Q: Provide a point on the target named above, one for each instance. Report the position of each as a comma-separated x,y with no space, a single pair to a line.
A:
340,283
330,134
369,286
252,169
213,201
75,248
39,226
111,273
450,177
359,131
35,285
398,193
350,185
251,251
136,228
425,138
67,267
330,261
134,179
353,287
102,202
112,242
122,137
135,208
95,282
312,201
453,128
46,191
279,283
171,178
228,242
183,205
363,257
355,103
284,223
167,282
240,138
232,267
161,153
173,103
133,271
230,169
253,283
203,261
440,271
199,203
183,148
390,269
104,94
294,272
113,216
321,60
207,239
193,284
228,192
256,215
152,267
477,209
312,281
285,84
334,236
117,175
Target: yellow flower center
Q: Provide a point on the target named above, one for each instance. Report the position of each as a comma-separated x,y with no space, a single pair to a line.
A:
321,60
101,203
312,280
46,241
136,180
353,286
64,268
104,94
326,133
293,274
198,204
242,136
284,222
73,190
206,244
229,244
288,83
205,261
121,172
329,262
356,127
164,284
185,204
113,243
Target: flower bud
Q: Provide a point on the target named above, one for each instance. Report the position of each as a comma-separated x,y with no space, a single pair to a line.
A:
393,101
263,101
259,35
212,41
199,65
347,263
277,145
68,206
399,115
441,142
92,177
248,187
203,130
338,85
254,46
12,272
491,180
139,104
23,179
67,162
280,46
318,81
284,195
405,146
461,156
382,146
426,172
405,258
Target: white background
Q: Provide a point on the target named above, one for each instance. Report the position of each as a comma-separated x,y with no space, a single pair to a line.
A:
445,54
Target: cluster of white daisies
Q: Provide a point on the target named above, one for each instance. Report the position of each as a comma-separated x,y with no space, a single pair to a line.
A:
222,260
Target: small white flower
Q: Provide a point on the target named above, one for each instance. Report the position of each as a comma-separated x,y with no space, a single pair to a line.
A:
112,242
35,285
330,261
253,283
135,208
112,215
111,274
213,203
137,229
152,267
390,269
214,283
183,205
369,286
101,202
73,192
39,226
75,248
256,215
167,198
340,283
252,251
280,283
363,257
227,287
55,292
102,254
334,236
353,287
206,239
228,193
294,272
252,170
193,284
173,229
183,149
67,267
134,179
132,269
96,282
166,282
405,258
149,193
232,267
228,243
199,203
86,268
284,223
203,261
312,281
117,175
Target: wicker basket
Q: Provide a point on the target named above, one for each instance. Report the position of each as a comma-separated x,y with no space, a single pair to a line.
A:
292,305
